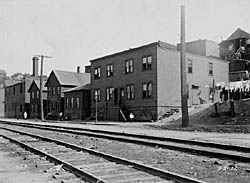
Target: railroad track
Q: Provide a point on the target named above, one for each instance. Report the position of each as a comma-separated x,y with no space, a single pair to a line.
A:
222,151
30,162
91,165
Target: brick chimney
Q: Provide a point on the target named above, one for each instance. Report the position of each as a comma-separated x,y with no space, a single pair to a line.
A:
87,69
35,66
78,69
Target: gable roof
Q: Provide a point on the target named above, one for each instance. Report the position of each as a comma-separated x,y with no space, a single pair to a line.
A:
78,88
37,83
67,78
239,33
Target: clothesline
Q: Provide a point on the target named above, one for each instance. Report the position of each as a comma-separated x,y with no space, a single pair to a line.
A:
233,86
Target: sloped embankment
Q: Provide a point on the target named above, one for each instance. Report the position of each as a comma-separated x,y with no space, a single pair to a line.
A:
206,120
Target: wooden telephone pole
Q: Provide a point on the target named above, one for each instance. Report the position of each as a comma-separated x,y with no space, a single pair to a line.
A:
184,87
41,85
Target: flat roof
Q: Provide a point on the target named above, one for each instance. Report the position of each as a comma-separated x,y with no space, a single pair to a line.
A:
157,43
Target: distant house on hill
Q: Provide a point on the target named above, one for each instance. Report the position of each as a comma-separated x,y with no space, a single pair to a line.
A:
77,102
60,81
236,49
35,107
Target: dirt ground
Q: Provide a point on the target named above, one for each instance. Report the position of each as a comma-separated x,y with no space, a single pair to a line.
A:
15,169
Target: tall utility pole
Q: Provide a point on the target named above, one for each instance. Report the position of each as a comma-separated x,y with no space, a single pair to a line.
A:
184,87
41,85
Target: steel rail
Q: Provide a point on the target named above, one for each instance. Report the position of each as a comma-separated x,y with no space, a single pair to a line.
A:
67,166
144,136
151,170
134,140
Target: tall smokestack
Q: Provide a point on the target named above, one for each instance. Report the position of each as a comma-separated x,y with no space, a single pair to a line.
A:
35,66
78,69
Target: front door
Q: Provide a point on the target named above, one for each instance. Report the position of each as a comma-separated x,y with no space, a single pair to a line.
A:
122,96
116,96
195,95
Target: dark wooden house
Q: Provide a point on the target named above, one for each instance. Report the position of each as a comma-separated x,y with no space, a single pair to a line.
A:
35,107
77,102
57,83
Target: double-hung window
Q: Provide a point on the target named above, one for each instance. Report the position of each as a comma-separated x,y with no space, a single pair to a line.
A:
130,92
77,102
97,95
147,90
110,70
21,88
97,73
67,103
72,102
109,93
129,66
210,68
190,66
147,63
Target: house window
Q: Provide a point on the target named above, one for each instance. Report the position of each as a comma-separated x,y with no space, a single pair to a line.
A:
58,90
109,93
110,70
210,69
97,73
130,92
67,103
190,66
97,95
77,102
36,108
33,94
129,66
147,90
37,94
147,63
21,88
72,102
54,92
48,90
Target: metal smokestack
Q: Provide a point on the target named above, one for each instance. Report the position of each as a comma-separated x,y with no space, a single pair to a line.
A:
78,69
35,66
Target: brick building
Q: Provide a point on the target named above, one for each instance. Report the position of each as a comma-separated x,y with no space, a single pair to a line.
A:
57,83
17,97
146,81
35,107
77,102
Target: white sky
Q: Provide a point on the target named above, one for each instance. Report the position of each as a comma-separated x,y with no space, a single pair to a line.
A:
75,31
